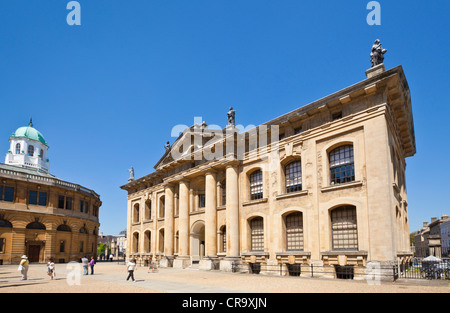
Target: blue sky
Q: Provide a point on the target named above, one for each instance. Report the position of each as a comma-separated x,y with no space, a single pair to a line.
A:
106,94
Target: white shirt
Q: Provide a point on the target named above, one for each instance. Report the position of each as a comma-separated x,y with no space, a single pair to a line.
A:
131,266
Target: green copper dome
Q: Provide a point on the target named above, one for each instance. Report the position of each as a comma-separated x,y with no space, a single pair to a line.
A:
30,133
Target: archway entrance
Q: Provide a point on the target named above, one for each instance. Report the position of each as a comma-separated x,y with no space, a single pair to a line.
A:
197,242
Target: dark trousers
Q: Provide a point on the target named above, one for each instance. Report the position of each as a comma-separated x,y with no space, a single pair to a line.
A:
130,274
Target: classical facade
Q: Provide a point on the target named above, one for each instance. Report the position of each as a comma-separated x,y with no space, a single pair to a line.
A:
42,216
323,184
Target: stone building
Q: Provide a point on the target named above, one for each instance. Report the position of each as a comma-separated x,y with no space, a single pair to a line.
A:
323,184
432,238
42,216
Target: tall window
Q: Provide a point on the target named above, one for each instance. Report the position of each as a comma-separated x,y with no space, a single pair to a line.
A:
6,194
17,148
294,231
136,213
30,150
293,176
41,154
344,229
223,186
342,168
256,185
223,239
257,234
201,200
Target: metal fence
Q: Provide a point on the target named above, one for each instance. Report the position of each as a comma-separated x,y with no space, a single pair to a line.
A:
422,269
309,270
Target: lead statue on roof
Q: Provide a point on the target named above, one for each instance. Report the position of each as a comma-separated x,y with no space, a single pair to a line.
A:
231,116
377,54
131,170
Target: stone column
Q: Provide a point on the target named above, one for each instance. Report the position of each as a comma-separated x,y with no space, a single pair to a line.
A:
232,194
168,226
183,260
210,222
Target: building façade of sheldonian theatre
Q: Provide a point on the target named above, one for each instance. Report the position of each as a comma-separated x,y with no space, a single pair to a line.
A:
323,185
42,216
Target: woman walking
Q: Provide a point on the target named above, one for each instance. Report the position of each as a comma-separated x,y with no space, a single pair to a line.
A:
131,268
23,267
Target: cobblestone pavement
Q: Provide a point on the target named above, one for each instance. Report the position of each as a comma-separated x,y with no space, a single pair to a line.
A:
111,278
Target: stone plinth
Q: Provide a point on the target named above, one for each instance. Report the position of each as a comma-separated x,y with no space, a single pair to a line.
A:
376,70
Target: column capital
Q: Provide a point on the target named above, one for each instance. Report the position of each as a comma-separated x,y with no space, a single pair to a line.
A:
232,164
210,171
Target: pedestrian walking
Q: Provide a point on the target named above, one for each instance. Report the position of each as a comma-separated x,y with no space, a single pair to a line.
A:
23,267
85,263
151,265
131,268
51,268
92,263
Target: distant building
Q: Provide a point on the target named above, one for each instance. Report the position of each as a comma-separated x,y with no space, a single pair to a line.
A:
445,238
432,238
42,216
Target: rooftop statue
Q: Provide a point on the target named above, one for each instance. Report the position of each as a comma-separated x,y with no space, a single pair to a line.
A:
231,117
377,54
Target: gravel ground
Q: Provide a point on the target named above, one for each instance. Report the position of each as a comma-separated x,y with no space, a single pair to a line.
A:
111,278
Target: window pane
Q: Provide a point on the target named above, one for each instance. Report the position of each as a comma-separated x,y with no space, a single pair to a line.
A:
60,202
30,150
32,198
342,167
344,228
293,177
1,193
9,194
201,201
68,203
257,234
256,185
43,198
294,231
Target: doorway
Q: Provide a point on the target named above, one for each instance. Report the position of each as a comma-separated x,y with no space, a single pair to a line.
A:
33,253
197,242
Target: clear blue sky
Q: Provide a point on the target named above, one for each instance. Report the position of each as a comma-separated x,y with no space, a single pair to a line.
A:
106,94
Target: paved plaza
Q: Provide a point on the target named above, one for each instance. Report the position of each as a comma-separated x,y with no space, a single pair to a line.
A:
111,278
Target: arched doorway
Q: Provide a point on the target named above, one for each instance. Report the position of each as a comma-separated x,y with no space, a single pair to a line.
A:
197,241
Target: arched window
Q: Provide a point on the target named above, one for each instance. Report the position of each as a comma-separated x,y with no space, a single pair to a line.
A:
148,210
63,227
5,223
256,185
36,225
41,154
344,230
161,207
293,176
136,242
136,213
257,234
342,168
294,231
30,150
17,148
